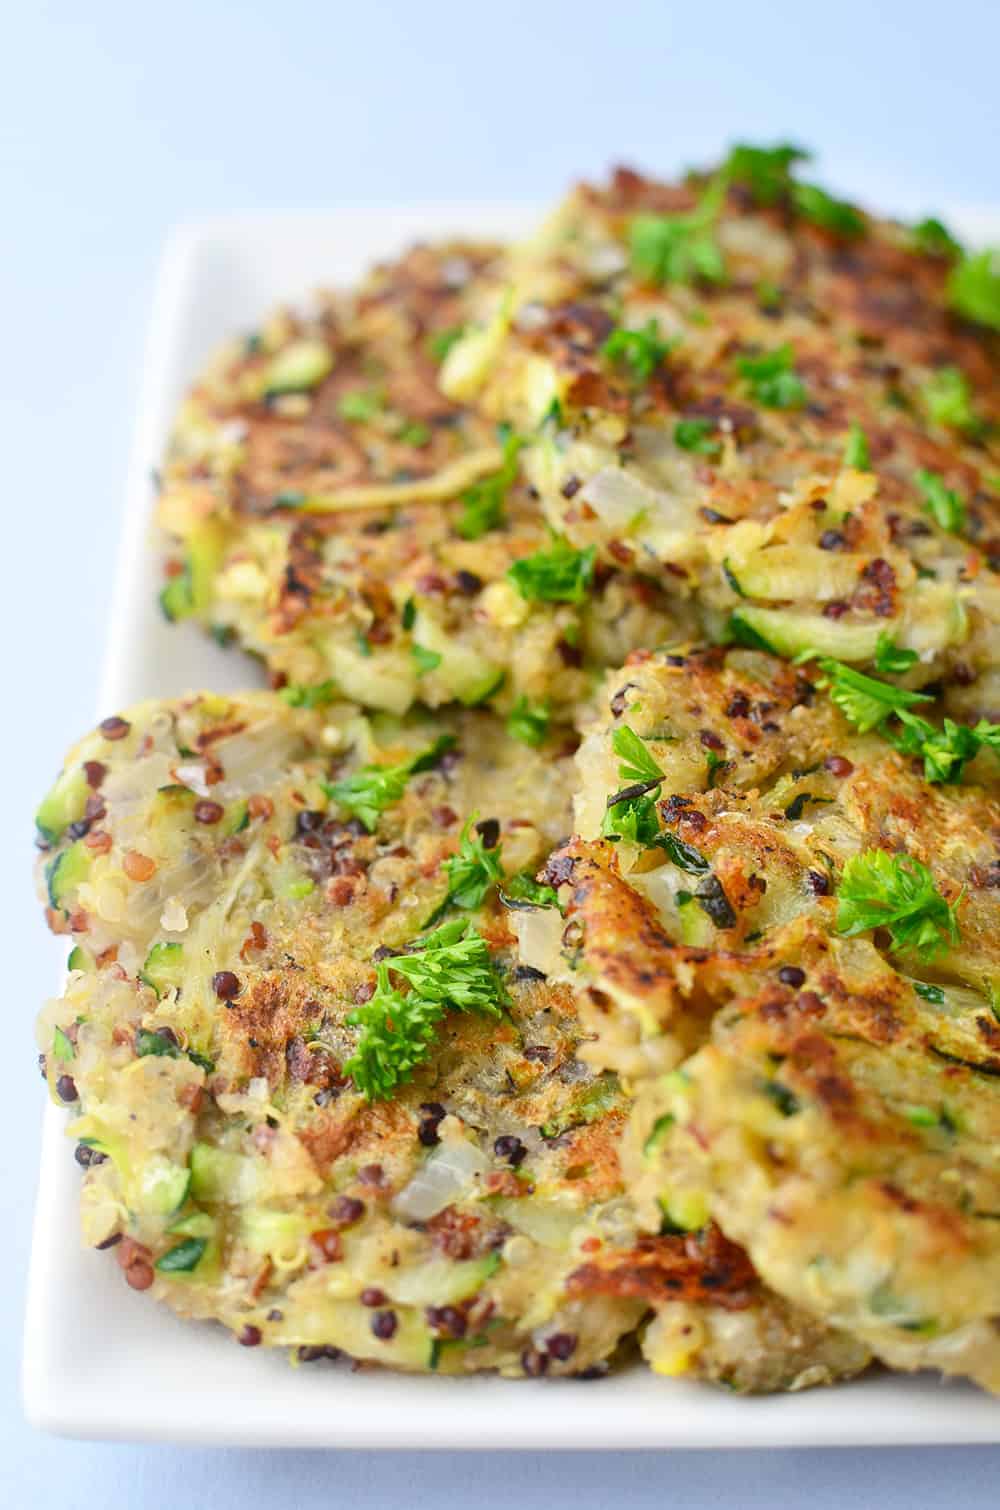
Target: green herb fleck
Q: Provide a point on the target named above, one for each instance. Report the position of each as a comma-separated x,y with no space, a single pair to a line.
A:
896,892
974,288
439,344
941,502
771,379
934,239
891,659
184,1257
427,660
640,351
309,697
947,398
529,722
368,792
697,435
483,503
559,575
361,404
856,449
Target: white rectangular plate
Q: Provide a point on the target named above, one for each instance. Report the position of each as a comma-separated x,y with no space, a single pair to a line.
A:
103,1361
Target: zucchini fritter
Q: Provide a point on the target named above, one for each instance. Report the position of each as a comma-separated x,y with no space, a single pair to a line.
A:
761,401
232,921
354,528
815,1078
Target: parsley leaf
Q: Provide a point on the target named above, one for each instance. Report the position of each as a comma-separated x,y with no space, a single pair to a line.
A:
528,722
864,700
483,503
764,171
439,344
559,575
367,792
836,215
641,351
414,433
450,967
948,400
891,659
679,248
474,870
631,816
637,763
771,379
523,890
941,502
974,288
360,404
856,450
945,751
697,435
881,890
934,239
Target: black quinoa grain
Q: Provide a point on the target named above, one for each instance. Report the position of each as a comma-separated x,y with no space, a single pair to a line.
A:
226,985
372,1175
468,583
207,811
66,1088
791,975
114,727
384,1324
818,883
561,1346
346,1210
372,1296
510,1147
87,1157
534,1363
250,1336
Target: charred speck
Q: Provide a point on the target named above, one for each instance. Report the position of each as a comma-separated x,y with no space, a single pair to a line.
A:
85,1156
818,883
314,1354
528,972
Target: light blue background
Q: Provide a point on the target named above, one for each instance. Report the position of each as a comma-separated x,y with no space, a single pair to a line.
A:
117,119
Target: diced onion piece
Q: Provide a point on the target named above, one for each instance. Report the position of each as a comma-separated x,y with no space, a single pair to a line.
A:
450,1171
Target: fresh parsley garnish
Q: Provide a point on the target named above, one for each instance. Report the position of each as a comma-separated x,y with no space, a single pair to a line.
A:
631,815
941,502
439,344
637,764
947,398
679,248
766,173
772,380
934,239
640,351
368,792
974,288
475,869
529,722
361,404
897,892
483,503
864,700
763,171
857,452
449,968
558,575
523,890
697,435
891,659
945,752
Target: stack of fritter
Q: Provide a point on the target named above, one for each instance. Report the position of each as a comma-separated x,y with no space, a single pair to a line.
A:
394,1028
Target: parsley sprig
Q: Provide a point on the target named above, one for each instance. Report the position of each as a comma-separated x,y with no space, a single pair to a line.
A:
767,174
483,503
897,892
529,722
368,792
450,967
640,351
558,575
872,704
680,248
631,813
772,379
974,288
473,870
941,502
947,398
